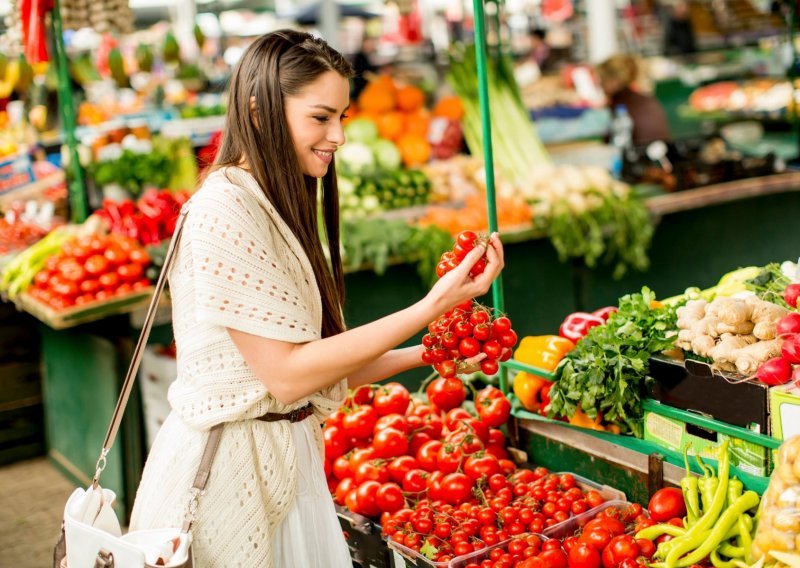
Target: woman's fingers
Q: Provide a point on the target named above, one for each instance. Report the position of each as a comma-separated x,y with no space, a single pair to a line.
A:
473,364
472,257
497,244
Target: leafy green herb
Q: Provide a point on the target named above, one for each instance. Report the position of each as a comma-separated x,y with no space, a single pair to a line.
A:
618,230
607,372
770,284
134,171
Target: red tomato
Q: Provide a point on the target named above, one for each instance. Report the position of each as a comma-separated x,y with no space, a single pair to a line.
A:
399,466
96,265
450,458
446,393
362,395
597,537
390,443
415,481
456,488
583,555
359,456
372,470
427,455
115,256
139,256
360,422
666,504
366,499
454,417
391,398
493,407
417,441
647,547
554,558
432,425
343,488
613,526
396,421
341,467
622,548
489,367
336,442
109,280
477,467
389,498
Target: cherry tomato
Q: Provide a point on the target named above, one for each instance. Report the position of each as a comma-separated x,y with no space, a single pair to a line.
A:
360,422
391,398
390,443
583,555
389,497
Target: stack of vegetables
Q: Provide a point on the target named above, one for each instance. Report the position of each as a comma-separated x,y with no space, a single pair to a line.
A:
362,196
599,363
149,220
399,113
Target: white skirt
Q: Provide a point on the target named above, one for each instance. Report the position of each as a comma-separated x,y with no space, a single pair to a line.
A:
310,535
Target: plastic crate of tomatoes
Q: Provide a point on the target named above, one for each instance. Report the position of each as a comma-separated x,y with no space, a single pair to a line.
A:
600,538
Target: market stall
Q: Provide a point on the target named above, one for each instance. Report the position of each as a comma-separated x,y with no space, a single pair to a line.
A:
577,239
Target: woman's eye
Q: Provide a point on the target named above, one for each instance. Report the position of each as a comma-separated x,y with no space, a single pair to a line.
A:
344,116
321,118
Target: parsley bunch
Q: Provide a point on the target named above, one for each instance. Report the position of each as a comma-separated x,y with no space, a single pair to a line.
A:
607,372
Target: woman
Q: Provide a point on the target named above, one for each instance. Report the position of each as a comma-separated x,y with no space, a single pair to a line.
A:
257,315
617,77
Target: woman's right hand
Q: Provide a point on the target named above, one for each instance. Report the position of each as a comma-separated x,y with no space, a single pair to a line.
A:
458,286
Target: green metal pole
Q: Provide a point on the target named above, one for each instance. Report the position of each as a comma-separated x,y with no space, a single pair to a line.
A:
486,128
488,156
75,182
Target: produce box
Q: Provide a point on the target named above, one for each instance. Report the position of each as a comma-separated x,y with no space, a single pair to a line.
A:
571,526
15,172
784,401
694,386
403,557
367,548
674,434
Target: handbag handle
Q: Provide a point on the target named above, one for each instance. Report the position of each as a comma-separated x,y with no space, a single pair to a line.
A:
138,352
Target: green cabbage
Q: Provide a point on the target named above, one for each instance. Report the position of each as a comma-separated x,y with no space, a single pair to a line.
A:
355,158
386,154
361,130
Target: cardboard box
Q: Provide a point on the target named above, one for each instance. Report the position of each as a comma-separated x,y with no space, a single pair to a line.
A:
695,387
675,434
785,404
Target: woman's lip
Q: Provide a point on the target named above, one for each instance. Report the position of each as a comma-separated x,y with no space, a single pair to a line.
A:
325,156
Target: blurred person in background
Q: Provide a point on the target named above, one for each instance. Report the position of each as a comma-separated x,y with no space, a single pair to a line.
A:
617,76
678,32
540,49
363,65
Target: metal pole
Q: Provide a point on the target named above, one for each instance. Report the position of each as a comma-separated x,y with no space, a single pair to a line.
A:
488,157
75,183
486,128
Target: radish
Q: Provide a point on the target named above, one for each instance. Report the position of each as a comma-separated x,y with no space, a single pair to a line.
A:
790,350
788,325
776,371
791,294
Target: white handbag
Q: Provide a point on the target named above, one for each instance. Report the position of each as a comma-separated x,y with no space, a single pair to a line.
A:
90,533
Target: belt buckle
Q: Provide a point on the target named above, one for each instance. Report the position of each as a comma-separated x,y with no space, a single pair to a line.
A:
298,414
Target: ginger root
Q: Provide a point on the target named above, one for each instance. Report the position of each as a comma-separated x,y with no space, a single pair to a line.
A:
750,358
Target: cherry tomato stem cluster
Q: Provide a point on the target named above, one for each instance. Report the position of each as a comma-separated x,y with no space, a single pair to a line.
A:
91,268
464,332
465,242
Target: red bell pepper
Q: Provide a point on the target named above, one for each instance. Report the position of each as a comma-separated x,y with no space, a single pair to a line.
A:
577,325
544,397
605,313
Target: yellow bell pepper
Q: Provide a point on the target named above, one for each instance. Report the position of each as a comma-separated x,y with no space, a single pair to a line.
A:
581,419
543,351
527,388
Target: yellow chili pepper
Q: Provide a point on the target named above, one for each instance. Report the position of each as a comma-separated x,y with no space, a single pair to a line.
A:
543,351
581,419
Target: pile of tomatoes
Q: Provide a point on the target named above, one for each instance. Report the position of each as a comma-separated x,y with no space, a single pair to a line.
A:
91,268
384,451
603,542
464,332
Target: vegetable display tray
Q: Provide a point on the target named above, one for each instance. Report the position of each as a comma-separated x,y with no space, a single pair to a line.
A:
570,526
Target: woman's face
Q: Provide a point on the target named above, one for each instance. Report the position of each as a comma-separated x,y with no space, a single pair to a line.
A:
315,121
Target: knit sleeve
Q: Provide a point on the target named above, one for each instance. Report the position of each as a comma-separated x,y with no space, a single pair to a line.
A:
240,267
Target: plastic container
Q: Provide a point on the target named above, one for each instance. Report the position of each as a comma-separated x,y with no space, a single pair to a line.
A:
404,557
570,526
606,492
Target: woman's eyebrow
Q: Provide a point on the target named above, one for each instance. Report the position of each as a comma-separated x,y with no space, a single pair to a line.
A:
327,108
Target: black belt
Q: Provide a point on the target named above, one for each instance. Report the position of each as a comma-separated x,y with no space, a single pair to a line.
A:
296,415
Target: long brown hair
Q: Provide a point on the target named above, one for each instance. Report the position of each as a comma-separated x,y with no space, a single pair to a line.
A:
275,66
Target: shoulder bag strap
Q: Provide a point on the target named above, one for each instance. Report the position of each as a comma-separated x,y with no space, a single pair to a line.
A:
138,351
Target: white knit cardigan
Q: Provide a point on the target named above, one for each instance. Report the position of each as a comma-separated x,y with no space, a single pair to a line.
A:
238,266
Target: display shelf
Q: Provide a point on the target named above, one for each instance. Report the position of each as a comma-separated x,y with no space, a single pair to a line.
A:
77,315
